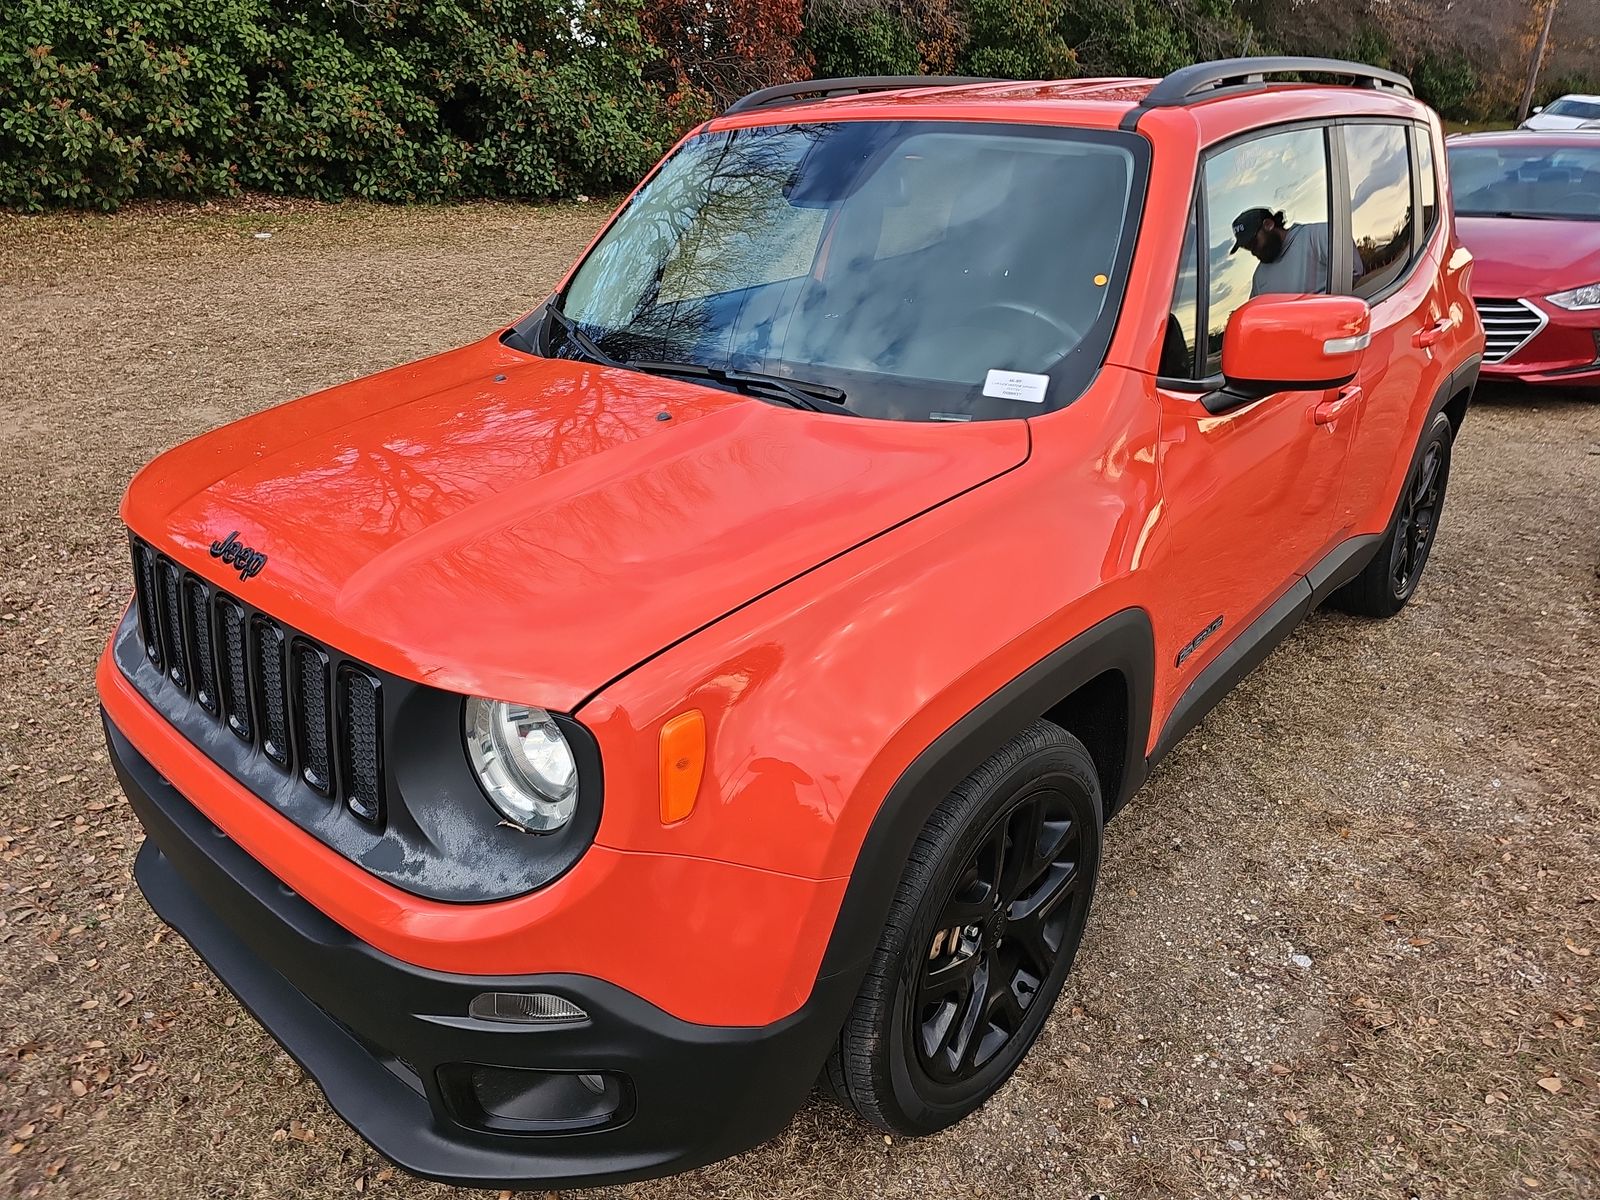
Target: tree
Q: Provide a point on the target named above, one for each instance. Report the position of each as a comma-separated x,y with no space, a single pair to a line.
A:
715,51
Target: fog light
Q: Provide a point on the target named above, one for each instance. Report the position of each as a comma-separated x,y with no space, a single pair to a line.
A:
527,1008
523,1100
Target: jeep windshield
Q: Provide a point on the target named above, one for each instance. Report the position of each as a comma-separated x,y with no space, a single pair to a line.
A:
910,270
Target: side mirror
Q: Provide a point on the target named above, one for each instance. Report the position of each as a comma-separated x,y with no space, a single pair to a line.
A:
1292,344
1538,108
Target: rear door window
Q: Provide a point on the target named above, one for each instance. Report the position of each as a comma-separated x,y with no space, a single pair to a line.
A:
1427,177
1378,167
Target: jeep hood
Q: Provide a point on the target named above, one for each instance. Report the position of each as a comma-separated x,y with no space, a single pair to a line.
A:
530,529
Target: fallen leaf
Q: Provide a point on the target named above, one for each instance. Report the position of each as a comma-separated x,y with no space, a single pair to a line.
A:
79,1088
1580,951
1551,1084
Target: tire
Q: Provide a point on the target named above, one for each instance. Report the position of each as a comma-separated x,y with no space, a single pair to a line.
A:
1391,578
901,1061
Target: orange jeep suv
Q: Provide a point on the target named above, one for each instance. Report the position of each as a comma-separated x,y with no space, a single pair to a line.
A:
574,746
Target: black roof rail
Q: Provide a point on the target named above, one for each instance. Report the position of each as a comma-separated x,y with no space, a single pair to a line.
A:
1189,85
854,85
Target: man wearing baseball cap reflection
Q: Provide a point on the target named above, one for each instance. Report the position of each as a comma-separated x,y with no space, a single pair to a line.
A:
1290,259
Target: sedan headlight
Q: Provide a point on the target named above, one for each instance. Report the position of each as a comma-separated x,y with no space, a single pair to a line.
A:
1587,296
524,764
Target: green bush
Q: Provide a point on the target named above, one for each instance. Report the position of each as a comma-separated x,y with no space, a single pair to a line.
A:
403,100
1448,83
1015,39
847,38
1152,37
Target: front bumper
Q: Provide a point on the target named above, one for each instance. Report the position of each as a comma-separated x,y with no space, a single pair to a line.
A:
392,1044
1565,352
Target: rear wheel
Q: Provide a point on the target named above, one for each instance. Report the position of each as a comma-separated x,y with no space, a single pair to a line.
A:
1391,578
984,928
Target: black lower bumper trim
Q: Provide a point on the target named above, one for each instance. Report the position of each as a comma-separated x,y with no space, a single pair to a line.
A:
384,1039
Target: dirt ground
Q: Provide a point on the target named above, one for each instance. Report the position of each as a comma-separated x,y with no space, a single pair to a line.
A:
1348,939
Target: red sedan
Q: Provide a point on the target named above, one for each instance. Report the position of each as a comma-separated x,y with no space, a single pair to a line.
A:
1528,207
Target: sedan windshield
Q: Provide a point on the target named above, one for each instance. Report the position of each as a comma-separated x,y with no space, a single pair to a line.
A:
910,269
1528,180
1569,106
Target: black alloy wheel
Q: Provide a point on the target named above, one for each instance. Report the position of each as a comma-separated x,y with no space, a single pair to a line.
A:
984,926
1391,577
1419,517
1018,903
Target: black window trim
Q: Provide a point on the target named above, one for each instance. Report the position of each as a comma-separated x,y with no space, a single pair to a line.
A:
1419,241
1211,383
1338,217
1422,133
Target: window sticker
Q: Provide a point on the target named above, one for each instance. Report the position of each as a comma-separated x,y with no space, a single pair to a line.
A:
1016,385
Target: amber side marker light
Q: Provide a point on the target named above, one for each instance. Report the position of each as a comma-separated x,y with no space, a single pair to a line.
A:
683,761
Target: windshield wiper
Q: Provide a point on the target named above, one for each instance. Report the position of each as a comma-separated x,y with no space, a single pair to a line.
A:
797,393
585,344
1521,216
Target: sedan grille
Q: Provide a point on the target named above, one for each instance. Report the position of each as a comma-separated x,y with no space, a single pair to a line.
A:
1508,326
274,688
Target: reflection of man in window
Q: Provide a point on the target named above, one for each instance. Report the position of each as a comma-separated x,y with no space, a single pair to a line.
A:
1290,259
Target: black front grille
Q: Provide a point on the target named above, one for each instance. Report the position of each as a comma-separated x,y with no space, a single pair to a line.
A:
270,685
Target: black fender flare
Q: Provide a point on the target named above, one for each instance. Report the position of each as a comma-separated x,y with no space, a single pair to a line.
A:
1123,642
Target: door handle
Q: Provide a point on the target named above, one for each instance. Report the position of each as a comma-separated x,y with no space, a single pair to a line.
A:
1424,338
1330,411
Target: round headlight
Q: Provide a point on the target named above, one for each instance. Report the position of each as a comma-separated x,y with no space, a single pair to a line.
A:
523,763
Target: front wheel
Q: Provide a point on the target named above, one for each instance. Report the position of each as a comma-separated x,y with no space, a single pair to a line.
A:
1390,579
984,927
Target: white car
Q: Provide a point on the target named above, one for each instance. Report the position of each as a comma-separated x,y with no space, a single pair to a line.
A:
1569,112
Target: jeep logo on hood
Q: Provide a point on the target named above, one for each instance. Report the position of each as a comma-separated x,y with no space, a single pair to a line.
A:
240,557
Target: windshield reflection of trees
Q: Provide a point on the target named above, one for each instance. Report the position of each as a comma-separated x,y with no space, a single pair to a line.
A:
858,254
717,241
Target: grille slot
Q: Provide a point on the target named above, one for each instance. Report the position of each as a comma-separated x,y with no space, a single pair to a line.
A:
280,692
361,716
170,606
1508,326
202,654
144,575
235,670
272,702
313,725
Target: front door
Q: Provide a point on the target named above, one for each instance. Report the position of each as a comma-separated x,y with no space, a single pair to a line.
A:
1249,496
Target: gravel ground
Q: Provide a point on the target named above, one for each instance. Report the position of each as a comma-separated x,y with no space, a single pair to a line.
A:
1348,939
